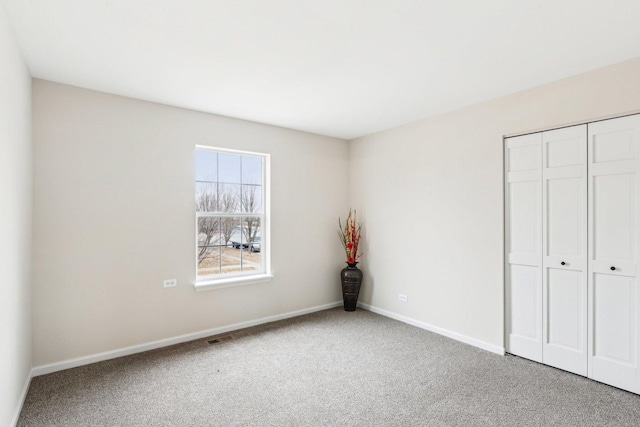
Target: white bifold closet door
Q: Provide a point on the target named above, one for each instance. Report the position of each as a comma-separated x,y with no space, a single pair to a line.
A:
523,174
614,227
573,249
546,237
564,249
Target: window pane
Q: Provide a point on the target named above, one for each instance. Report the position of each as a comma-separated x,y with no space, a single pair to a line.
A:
251,228
206,166
206,197
237,237
252,259
210,265
209,240
232,253
251,198
229,171
251,170
243,253
227,228
229,198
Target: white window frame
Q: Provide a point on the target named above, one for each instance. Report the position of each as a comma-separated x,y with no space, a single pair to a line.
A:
241,278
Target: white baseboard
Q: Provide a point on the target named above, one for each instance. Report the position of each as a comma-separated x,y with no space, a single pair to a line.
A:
73,363
449,334
23,396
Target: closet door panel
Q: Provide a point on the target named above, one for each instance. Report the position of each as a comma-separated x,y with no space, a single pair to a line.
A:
524,206
525,289
614,315
565,311
565,199
523,243
564,284
614,358
613,221
613,141
614,328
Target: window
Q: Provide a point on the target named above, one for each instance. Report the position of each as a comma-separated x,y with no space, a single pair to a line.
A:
231,204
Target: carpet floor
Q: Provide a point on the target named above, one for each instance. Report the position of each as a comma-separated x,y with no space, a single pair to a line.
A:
330,368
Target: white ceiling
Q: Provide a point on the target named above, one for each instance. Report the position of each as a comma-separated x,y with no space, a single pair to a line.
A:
343,68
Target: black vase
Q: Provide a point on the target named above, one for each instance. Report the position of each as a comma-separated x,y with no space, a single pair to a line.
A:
351,279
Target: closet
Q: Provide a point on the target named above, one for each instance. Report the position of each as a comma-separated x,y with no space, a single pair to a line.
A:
572,245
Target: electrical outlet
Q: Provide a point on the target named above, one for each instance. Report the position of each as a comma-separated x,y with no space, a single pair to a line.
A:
402,297
170,283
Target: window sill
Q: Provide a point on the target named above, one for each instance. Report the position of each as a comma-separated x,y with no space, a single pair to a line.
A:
231,282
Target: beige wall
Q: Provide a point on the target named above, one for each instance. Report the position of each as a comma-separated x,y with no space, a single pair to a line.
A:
113,202
431,193
15,224
113,213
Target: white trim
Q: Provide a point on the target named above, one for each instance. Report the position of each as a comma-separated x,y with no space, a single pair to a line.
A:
266,211
230,150
574,123
23,396
81,361
229,214
232,281
441,331
265,274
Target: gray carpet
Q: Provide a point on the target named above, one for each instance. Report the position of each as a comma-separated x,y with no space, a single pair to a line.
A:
330,368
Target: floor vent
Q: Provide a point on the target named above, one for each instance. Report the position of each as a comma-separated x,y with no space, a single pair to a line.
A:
216,340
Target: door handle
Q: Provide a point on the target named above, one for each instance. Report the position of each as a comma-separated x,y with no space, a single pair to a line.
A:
562,263
613,268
